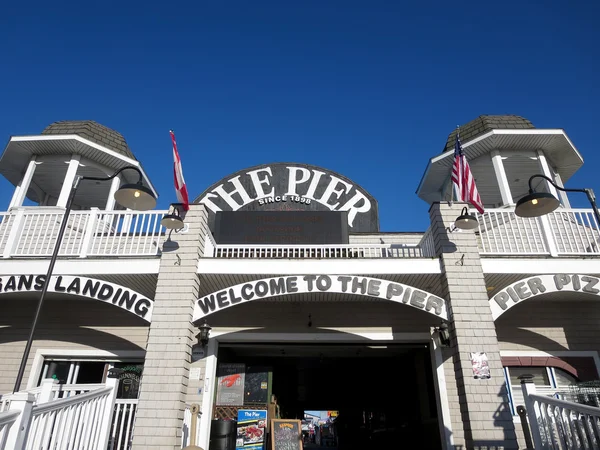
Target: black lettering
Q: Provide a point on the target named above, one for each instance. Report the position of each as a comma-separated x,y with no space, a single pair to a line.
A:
233,298
309,281
356,284
128,300
245,294
90,288
222,299
261,288
58,287
393,290
290,284
590,283
116,296
142,307
501,299
207,304
75,286
39,282
536,286
11,284
417,299
25,282
373,287
106,292
277,286
434,302
561,281
323,283
344,281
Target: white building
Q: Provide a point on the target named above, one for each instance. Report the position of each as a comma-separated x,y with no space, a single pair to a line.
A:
308,301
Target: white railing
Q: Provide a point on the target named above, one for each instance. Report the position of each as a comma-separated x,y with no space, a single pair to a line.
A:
563,232
33,233
56,417
75,422
121,432
560,424
319,251
7,419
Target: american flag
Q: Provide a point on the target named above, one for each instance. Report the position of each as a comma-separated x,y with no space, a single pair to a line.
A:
180,187
463,178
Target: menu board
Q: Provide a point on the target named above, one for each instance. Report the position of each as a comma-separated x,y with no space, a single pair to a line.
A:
251,429
230,384
256,386
286,434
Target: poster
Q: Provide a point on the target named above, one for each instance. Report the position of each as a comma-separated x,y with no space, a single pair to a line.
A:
251,429
230,384
256,386
481,369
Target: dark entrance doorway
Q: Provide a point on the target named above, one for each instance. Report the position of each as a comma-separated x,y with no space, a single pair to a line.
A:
384,394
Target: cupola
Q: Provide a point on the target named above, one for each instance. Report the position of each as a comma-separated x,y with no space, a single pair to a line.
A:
43,167
503,152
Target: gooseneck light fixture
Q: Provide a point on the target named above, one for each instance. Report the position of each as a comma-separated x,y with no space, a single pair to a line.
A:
537,204
172,220
444,334
466,221
134,196
204,334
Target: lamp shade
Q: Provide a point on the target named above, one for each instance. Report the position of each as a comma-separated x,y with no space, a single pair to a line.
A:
136,197
172,222
466,221
536,204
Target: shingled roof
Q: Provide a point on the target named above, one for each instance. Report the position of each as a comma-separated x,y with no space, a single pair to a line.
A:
94,132
484,124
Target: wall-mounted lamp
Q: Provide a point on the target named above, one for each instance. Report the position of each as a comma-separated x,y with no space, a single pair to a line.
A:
172,220
444,334
466,221
537,204
204,334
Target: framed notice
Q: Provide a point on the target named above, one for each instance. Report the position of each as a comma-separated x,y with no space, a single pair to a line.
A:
286,434
481,368
230,384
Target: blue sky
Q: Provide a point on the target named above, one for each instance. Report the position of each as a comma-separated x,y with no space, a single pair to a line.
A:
368,89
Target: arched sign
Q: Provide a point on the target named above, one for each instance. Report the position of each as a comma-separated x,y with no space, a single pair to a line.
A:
292,187
103,291
541,284
341,284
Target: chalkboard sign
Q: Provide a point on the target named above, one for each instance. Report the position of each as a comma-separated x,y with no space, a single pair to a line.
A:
286,434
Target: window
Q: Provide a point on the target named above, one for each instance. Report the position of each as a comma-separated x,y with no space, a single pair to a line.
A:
74,372
94,372
548,380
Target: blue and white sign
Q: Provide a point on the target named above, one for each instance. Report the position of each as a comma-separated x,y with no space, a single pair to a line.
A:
251,429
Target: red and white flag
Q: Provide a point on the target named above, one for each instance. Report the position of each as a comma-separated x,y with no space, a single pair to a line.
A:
180,187
463,178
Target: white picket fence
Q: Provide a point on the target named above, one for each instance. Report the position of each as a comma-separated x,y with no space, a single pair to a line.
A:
559,424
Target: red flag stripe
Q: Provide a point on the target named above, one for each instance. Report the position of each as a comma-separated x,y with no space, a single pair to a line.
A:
463,179
180,186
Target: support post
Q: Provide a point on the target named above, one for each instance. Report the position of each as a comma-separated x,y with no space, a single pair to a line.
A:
17,436
479,407
528,388
46,394
21,190
16,227
68,182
